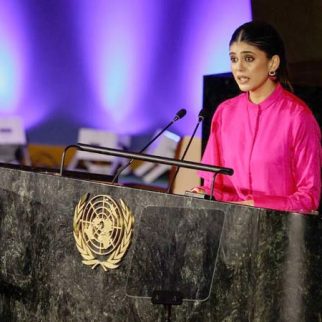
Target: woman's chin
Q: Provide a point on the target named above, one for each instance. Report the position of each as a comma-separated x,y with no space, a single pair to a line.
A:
244,87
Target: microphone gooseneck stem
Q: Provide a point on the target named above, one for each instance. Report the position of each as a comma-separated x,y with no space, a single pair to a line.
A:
180,114
184,154
141,151
212,188
160,133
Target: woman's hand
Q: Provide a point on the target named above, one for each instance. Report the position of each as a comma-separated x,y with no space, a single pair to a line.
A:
197,190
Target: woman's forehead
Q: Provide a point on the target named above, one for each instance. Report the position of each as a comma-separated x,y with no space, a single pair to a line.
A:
242,46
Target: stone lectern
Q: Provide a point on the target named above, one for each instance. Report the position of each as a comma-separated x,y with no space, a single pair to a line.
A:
234,263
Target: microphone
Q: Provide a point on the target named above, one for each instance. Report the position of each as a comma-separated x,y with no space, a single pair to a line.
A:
180,114
201,117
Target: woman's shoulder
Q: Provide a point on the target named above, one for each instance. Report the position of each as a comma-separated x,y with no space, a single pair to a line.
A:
295,103
232,102
298,111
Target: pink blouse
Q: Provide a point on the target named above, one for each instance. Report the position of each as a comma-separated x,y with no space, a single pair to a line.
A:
274,149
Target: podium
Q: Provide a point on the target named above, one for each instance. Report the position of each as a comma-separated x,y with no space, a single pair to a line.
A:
268,264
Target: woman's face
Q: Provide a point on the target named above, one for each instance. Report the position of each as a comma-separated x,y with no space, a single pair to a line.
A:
250,67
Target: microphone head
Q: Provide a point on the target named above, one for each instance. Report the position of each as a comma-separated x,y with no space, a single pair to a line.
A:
201,115
180,114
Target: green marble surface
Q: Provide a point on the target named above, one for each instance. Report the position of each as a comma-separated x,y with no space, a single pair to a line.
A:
268,264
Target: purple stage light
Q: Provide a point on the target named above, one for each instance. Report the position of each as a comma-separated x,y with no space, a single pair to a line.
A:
145,61
123,66
12,57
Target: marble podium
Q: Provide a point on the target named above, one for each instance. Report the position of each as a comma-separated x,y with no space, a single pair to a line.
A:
234,263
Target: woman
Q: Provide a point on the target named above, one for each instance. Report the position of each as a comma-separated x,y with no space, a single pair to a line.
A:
266,134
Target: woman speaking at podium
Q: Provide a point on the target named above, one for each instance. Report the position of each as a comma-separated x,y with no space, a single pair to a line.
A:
266,134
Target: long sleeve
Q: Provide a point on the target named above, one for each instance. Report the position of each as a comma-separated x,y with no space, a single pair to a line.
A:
306,165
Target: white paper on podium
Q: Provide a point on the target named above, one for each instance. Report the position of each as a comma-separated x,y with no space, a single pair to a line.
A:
95,162
12,131
166,147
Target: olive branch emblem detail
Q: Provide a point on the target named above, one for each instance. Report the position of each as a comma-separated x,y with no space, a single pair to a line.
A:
102,230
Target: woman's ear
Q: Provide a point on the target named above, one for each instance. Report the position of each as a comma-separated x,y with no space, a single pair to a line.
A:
275,62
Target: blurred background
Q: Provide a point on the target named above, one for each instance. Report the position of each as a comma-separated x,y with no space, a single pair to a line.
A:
126,67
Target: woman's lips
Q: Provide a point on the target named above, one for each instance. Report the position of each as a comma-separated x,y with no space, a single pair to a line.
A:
242,79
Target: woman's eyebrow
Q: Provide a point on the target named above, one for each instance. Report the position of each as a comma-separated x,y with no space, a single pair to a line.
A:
242,52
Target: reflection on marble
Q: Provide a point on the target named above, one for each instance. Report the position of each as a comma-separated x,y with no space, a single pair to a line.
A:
175,250
267,265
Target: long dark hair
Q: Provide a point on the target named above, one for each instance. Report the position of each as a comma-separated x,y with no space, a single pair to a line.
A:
266,38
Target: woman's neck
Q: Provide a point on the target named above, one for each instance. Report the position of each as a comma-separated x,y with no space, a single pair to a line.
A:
260,94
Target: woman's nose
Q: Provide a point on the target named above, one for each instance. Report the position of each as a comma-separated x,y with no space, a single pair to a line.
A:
239,65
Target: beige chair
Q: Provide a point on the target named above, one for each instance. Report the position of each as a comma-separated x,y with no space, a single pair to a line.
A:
186,178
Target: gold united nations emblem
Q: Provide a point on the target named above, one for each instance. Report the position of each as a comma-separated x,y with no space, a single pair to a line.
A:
102,230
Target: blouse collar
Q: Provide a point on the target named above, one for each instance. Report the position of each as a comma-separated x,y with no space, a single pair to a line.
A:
269,100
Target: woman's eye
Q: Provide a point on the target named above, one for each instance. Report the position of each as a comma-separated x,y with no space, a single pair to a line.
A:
233,59
249,58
